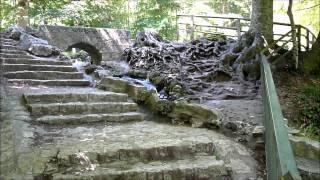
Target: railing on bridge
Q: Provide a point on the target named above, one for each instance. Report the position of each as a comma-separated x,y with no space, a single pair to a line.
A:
280,159
234,27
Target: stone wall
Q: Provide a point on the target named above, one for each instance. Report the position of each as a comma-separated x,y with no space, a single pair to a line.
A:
109,42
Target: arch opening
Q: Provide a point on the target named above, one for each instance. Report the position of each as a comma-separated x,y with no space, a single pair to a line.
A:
93,52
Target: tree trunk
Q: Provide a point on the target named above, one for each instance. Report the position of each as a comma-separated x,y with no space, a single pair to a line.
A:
262,18
23,19
294,36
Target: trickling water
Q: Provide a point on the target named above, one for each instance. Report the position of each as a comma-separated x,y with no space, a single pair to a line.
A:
146,83
79,65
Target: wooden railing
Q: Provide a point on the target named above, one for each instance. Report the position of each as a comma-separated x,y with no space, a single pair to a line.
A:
237,26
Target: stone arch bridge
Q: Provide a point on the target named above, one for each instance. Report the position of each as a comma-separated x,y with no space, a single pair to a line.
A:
103,44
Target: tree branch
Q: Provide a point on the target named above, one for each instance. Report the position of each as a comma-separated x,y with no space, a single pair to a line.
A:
308,8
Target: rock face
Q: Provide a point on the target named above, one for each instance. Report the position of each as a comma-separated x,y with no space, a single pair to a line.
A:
194,114
34,45
307,153
43,50
180,112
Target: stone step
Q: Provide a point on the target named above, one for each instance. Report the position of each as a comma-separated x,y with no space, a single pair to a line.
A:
13,51
38,110
161,152
9,47
9,43
6,55
59,82
34,61
30,67
43,75
65,97
198,168
91,118
6,40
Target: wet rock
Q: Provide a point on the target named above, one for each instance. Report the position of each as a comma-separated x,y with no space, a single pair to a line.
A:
15,32
232,126
27,40
304,147
118,68
258,131
259,144
137,74
101,73
194,114
15,35
41,50
115,84
63,57
89,68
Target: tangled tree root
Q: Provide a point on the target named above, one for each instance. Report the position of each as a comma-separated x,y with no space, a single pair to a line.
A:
213,68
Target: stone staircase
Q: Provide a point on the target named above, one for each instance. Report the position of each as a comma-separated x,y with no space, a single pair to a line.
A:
86,133
81,107
191,161
19,67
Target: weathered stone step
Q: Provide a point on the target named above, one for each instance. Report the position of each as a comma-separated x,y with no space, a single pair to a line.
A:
91,118
33,61
201,167
38,110
161,152
8,42
59,82
43,75
30,67
75,97
9,47
5,55
13,51
3,39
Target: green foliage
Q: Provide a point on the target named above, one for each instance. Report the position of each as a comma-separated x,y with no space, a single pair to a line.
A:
308,12
309,103
241,7
46,11
158,15
92,14
8,13
82,55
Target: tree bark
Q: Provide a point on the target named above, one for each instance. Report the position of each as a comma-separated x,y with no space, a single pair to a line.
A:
294,36
262,18
23,19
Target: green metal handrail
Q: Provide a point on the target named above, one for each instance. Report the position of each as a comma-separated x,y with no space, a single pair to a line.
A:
280,159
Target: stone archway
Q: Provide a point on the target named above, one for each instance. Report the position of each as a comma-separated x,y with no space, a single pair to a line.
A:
103,44
95,54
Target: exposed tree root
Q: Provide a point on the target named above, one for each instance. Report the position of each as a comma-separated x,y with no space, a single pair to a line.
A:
206,67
